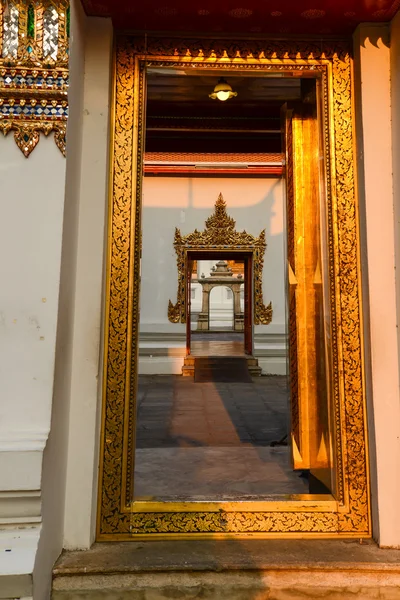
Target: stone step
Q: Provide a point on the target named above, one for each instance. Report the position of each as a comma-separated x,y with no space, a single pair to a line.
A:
221,369
291,569
189,362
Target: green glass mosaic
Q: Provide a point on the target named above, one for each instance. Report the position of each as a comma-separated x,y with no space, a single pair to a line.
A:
31,21
68,21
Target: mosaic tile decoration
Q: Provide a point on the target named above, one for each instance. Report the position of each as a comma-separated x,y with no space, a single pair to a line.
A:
10,31
18,80
50,33
34,38
17,110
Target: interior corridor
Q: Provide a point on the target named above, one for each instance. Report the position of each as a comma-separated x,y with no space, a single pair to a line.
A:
212,441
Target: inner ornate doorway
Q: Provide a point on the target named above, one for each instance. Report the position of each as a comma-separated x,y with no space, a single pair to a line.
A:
220,240
238,287
344,511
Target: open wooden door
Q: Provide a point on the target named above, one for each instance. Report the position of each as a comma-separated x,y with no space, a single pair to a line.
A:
248,305
189,269
307,352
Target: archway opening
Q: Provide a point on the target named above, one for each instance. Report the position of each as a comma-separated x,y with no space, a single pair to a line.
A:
217,315
221,309
227,417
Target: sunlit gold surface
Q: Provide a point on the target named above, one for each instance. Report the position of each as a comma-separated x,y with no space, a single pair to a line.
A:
349,515
30,63
27,134
310,440
220,234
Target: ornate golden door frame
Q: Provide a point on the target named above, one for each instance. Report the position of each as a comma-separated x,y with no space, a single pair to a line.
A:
219,235
119,516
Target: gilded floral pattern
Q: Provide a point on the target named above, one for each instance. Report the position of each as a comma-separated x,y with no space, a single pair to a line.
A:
118,517
220,234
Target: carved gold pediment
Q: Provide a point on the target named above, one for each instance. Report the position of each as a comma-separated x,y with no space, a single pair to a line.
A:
220,234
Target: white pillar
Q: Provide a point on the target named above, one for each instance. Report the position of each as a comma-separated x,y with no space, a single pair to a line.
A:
79,357
378,255
71,456
55,455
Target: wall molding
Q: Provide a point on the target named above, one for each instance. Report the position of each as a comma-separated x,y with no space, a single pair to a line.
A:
23,441
21,457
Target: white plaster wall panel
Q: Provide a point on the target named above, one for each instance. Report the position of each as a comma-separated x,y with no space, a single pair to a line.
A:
149,365
17,551
374,140
186,203
31,201
394,539
32,198
395,100
20,471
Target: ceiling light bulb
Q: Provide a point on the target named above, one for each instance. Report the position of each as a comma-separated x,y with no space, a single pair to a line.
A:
221,95
222,91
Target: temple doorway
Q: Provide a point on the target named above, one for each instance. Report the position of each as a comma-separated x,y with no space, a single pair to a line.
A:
178,453
220,407
219,305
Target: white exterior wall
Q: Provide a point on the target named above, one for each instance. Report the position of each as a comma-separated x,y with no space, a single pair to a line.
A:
186,203
30,257
394,539
71,458
37,349
374,67
32,200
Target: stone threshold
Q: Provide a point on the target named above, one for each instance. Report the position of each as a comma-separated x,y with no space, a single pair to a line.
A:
229,570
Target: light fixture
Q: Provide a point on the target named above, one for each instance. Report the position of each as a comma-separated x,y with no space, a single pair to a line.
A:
222,91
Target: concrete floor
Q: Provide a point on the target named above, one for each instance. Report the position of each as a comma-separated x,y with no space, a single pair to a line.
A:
212,440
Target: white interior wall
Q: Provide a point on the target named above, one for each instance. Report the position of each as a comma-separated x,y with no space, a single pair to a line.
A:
375,64
186,203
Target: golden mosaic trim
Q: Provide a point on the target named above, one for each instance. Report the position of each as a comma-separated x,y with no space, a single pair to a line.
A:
34,87
134,313
27,134
117,518
355,458
220,234
30,49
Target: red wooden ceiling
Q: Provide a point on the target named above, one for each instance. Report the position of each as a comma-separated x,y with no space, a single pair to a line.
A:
243,16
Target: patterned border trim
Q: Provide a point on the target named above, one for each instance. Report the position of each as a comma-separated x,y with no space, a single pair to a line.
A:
119,519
